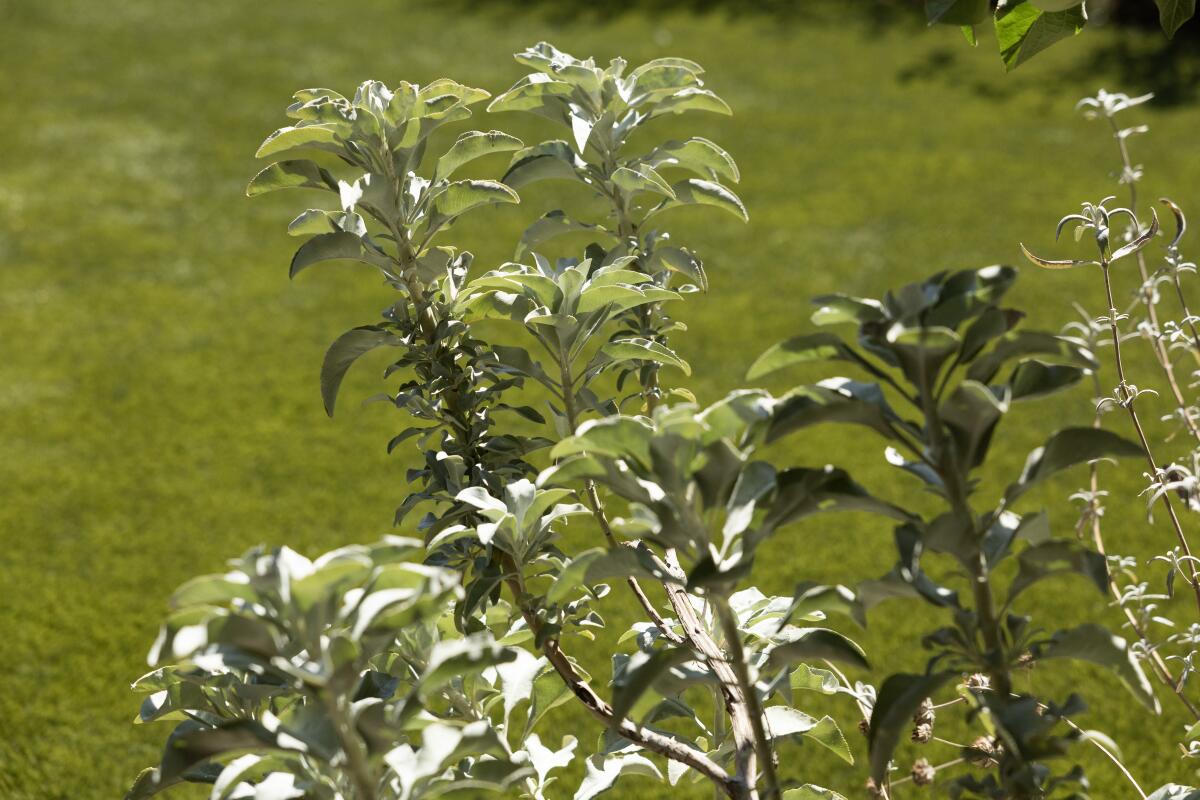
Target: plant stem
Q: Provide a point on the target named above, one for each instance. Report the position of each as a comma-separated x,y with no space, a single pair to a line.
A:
653,741
592,499
1111,755
1160,668
695,632
1128,401
762,743
352,746
947,467
1187,314
1145,293
952,763
718,723
736,700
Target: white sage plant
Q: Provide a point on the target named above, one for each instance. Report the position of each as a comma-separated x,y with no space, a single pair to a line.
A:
558,454
1159,314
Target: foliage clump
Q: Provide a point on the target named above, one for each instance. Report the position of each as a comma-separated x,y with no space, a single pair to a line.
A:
541,395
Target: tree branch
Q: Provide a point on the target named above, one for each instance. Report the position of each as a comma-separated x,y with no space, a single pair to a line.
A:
599,708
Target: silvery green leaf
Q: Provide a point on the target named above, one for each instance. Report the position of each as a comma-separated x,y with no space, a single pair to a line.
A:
462,196
455,658
292,174
661,78
794,644
813,601
811,791
582,125
597,564
472,145
549,692
317,221
552,160
192,744
921,351
827,734
339,246
603,771
675,771
430,94
213,590
697,154
442,745
798,350
754,482
641,178
300,137
516,679
305,95
834,309
657,63
535,93
681,260
641,349
638,674
814,679
1173,791
784,721
544,760
345,350
690,99
992,323
616,437
554,224
694,191
236,771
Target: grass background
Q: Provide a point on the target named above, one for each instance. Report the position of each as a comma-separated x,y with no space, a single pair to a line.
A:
159,410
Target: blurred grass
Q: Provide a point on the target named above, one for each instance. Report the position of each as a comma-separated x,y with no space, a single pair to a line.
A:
158,372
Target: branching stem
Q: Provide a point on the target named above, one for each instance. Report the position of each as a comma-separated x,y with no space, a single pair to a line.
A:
1129,401
762,742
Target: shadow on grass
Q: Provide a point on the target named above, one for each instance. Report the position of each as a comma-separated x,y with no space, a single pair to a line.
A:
1150,62
870,14
1137,58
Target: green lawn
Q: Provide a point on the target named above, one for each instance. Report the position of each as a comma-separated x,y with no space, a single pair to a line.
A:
159,410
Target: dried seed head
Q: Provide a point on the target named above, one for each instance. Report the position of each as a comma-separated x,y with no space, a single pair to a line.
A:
978,682
924,715
987,750
864,726
922,733
922,772
1025,660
